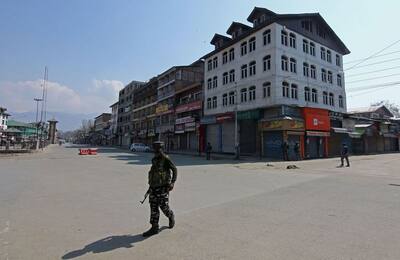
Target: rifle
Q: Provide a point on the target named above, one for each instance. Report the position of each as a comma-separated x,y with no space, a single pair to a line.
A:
145,196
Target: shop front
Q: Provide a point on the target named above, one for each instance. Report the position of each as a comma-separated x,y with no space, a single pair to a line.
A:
220,132
277,131
317,126
185,129
249,138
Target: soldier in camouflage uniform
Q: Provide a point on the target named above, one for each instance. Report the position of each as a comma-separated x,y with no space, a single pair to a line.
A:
161,183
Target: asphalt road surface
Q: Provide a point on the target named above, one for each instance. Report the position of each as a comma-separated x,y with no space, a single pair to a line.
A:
59,205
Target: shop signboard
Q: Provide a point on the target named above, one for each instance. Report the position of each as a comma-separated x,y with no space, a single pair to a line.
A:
207,120
179,129
183,120
249,114
224,117
317,119
282,124
189,107
190,127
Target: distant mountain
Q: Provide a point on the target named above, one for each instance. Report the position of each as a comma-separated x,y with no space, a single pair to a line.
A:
66,121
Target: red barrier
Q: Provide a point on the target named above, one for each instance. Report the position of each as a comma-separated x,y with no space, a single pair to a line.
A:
84,151
93,151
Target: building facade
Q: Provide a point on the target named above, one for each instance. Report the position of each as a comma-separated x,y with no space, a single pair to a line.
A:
144,112
3,119
174,88
114,123
280,61
125,114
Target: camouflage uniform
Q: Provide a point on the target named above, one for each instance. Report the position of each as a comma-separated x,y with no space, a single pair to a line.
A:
160,181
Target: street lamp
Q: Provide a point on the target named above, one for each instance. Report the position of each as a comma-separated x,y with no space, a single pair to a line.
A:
237,148
37,100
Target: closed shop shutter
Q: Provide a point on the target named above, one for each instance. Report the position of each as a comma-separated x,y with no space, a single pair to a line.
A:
292,140
273,144
314,147
228,137
248,132
193,141
212,137
183,141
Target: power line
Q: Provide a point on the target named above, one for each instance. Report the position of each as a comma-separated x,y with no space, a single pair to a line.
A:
377,56
373,55
375,63
380,77
369,72
373,90
373,86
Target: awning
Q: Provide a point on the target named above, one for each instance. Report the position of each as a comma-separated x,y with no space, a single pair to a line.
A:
340,130
317,133
355,135
388,135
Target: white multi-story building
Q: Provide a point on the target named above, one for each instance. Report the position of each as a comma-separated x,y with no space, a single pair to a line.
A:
292,60
3,119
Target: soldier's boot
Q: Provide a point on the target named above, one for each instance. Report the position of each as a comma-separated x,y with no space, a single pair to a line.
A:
152,231
172,221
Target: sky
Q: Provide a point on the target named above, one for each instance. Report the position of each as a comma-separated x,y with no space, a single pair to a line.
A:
92,48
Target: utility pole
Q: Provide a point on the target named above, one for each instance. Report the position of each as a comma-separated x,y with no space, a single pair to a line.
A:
37,100
237,148
44,97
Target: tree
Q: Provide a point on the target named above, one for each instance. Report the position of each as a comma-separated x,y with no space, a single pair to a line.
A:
394,108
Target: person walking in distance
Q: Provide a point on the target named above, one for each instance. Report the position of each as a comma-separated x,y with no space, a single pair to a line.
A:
285,148
208,151
297,151
344,155
161,182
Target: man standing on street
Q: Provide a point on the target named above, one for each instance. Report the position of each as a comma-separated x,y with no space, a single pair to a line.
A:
285,150
161,183
345,155
297,151
208,151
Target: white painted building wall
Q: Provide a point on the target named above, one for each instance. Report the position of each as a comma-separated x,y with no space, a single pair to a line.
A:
3,122
276,76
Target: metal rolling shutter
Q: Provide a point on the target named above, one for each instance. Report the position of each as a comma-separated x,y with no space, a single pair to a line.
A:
212,136
273,144
228,137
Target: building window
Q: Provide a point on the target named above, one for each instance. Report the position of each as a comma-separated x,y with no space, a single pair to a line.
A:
284,38
231,54
224,57
313,72
285,89
231,98
323,53
323,75
305,46
244,71
232,76
252,68
307,94
243,48
292,37
306,69
208,103
341,103
331,99
267,37
215,82
312,48
284,63
338,63
314,95
214,102
330,80
267,62
329,56
252,93
215,62
224,100
252,44
209,83
293,89
325,97
267,89
339,80
243,95
209,65
225,78
293,65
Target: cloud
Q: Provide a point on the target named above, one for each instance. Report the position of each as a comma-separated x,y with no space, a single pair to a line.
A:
18,96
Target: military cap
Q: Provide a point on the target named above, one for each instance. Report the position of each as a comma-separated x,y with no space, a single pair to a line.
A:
158,144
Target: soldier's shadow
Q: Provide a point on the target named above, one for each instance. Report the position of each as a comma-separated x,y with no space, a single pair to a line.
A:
107,244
